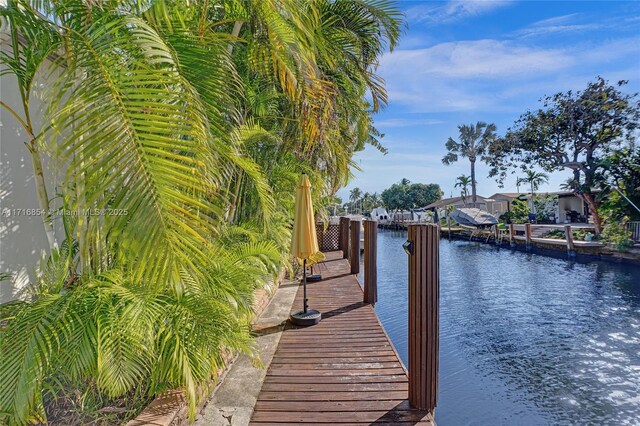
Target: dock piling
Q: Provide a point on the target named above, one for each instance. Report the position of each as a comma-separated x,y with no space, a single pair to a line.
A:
354,250
527,234
512,233
370,261
568,234
423,249
343,240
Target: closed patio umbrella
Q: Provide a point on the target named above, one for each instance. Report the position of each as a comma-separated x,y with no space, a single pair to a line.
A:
304,247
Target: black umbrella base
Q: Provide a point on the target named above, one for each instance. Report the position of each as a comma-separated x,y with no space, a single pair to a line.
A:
313,278
311,317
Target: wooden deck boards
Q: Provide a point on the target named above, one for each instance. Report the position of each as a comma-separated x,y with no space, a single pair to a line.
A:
343,371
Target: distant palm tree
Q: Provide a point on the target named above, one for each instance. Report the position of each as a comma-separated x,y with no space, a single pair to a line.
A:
463,183
474,140
534,179
376,199
355,195
366,202
405,182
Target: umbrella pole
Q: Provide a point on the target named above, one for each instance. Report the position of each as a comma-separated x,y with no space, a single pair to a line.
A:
306,316
304,285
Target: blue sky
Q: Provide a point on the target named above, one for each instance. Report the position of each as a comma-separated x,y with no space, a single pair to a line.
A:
460,62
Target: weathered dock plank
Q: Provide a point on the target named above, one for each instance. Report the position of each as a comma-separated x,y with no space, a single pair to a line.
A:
343,370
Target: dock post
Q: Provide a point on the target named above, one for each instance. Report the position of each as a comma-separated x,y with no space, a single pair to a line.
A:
424,292
568,234
354,250
370,261
527,234
496,234
343,239
512,233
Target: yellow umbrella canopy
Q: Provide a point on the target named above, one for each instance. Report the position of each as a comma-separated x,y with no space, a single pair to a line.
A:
304,245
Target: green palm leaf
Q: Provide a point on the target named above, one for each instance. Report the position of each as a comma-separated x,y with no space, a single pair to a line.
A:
35,333
134,129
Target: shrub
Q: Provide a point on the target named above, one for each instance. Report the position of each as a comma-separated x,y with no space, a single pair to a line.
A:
617,234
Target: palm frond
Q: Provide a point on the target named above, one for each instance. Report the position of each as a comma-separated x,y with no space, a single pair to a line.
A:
134,129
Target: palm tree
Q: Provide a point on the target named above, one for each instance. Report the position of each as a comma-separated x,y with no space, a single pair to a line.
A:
405,182
534,179
376,200
355,196
366,202
474,140
193,125
322,76
463,183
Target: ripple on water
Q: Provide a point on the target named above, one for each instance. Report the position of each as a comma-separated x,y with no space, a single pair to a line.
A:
525,339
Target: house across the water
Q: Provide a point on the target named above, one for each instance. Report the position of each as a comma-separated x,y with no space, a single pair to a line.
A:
569,209
381,215
441,205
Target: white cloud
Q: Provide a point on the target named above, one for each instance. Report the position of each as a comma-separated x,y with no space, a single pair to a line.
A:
475,59
555,25
402,122
480,75
556,20
453,10
577,23
555,29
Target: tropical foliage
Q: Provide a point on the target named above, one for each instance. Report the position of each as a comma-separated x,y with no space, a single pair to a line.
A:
518,213
572,131
474,141
463,182
406,195
181,128
622,176
544,207
534,180
361,203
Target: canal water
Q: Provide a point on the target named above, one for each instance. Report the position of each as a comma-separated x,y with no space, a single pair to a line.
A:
524,339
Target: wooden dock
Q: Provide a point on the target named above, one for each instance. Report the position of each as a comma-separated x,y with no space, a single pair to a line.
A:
342,371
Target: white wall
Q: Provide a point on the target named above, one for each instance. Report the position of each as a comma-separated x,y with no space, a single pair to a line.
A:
22,236
569,203
497,207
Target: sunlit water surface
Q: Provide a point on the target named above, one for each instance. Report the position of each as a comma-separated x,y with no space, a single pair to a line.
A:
524,339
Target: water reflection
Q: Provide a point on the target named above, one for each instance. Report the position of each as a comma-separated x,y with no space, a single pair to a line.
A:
525,339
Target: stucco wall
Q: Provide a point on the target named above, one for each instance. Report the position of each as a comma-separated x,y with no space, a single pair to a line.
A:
22,236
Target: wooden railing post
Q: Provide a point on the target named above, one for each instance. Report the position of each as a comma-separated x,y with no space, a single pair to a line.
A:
354,250
568,235
527,235
512,234
424,292
370,261
344,237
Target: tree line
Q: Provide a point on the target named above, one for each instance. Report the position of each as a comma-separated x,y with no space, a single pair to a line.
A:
403,195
